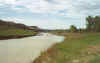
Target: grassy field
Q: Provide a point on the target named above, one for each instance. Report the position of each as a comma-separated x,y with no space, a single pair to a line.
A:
76,48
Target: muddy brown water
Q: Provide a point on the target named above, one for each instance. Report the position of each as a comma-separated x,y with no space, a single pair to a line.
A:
25,50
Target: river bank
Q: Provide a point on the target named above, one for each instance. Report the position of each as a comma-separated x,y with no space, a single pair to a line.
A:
76,48
13,30
14,37
16,33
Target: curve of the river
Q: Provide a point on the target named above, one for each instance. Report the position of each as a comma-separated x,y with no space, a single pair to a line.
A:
25,50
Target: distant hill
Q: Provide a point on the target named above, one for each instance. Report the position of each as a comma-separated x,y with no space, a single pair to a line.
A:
16,30
4,25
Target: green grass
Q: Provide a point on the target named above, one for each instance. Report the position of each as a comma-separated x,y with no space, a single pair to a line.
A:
95,60
76,48
12,31
16,32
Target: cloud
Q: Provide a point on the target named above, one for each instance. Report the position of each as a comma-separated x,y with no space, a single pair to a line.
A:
37,6
52,6
14,19
44,23
75,10
51,24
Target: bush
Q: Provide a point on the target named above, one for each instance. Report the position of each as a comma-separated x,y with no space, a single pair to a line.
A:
73,28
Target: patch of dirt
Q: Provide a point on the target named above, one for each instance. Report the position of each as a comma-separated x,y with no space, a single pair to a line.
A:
94,50
46,56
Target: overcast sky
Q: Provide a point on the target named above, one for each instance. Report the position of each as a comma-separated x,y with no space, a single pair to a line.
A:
49,14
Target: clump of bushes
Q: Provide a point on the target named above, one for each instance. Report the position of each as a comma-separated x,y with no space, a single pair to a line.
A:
73,28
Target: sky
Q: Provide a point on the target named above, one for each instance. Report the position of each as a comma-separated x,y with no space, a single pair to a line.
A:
49,14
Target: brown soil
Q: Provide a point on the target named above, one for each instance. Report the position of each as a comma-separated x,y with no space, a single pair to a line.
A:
51,52
93,49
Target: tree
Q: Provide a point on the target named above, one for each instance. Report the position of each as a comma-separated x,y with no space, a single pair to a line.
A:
97,23
93,23
90,23
73,28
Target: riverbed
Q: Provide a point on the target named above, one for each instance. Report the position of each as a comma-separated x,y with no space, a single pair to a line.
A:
25,50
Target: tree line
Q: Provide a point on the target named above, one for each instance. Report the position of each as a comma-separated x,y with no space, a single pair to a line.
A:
92,25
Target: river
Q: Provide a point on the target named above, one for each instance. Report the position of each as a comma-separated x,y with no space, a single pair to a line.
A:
25,50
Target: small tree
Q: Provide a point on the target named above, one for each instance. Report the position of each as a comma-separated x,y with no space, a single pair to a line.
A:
73,28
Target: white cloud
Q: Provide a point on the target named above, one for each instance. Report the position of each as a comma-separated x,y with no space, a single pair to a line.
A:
52,6
50,24
14,19
44,23
73,9
37,6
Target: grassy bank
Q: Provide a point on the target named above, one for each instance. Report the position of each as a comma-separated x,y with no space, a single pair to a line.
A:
15,33
76,48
